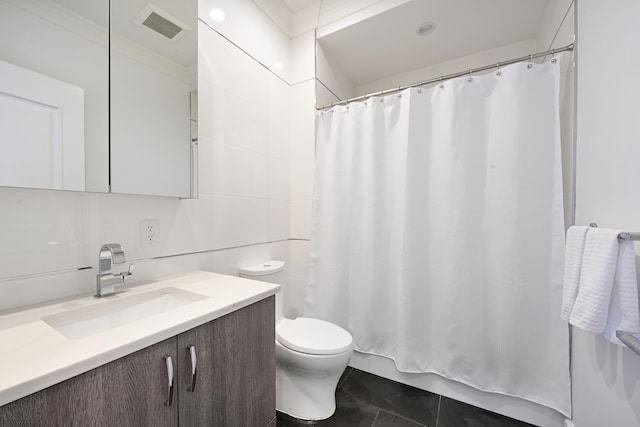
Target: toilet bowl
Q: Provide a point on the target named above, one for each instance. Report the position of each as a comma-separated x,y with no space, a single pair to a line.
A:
311,355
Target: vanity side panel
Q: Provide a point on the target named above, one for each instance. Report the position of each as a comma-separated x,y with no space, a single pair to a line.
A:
248,361
78,401
25,412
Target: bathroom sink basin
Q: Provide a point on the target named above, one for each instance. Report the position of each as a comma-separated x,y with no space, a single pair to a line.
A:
108,314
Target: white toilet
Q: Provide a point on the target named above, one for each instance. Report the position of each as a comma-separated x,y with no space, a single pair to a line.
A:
311,355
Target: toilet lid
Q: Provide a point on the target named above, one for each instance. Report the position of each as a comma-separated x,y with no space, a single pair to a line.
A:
313,336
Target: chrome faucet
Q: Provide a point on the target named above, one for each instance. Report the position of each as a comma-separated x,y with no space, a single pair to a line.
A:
106,281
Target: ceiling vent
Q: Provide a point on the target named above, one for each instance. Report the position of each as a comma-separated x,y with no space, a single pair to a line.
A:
161,22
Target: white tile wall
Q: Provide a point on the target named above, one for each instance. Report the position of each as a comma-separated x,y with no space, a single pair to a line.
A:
302,142
302,165
279,219
301,180
279,172
558,15
41,231
303,57
302,102
605,377
475,60
20,293
253,32
301,219
299,270
303,139
331,80
245,132
233,171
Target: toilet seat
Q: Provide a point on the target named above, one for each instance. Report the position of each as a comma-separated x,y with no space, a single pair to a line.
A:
313,336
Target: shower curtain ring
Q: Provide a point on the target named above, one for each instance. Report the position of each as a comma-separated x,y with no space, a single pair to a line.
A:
441,85
470,78
498,72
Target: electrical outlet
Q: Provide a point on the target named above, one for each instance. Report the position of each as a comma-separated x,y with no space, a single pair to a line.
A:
149,232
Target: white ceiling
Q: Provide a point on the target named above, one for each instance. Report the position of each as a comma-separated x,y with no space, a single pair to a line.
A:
386,44
182,50
297,5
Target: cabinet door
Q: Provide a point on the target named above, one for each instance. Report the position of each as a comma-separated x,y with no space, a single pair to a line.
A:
75,402
127,392
249,364
235,383
137,386
200,405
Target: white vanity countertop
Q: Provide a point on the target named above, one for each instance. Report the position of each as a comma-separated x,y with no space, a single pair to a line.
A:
34,356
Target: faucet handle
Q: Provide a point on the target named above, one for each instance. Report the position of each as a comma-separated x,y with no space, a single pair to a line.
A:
127,273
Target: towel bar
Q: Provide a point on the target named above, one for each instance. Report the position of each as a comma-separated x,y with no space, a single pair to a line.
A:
629,236
629,340
626,235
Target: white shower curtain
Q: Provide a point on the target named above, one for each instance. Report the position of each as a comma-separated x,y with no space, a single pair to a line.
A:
437,231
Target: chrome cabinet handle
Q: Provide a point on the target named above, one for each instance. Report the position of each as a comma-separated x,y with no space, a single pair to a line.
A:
194,363
169,362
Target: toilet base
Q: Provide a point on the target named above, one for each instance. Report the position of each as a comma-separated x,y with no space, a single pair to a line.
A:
306,383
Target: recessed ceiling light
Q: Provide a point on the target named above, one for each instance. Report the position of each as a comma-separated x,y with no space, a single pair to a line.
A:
217,15
425,29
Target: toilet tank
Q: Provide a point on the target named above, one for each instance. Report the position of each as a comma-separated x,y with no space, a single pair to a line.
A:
270,271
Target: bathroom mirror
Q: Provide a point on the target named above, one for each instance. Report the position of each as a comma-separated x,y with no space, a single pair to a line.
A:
69,121
153,79
54,94
401,43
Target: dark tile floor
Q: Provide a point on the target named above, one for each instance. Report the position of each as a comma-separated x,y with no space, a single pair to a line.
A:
366,400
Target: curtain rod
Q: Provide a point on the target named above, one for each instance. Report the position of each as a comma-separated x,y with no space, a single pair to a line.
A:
450,76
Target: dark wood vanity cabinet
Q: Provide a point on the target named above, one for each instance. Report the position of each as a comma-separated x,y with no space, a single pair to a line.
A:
234,385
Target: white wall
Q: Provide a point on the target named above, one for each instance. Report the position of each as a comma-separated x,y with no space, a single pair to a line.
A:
606,378
302,168
241,218
250,29
331,85
295,123
475,60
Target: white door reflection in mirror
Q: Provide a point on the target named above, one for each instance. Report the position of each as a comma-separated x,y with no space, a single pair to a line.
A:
41,131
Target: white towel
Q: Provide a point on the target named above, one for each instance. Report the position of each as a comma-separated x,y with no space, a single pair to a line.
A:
591,308
624,312
574,248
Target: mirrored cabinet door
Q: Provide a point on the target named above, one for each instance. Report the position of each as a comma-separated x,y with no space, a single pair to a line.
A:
153,75
70,121
54,89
